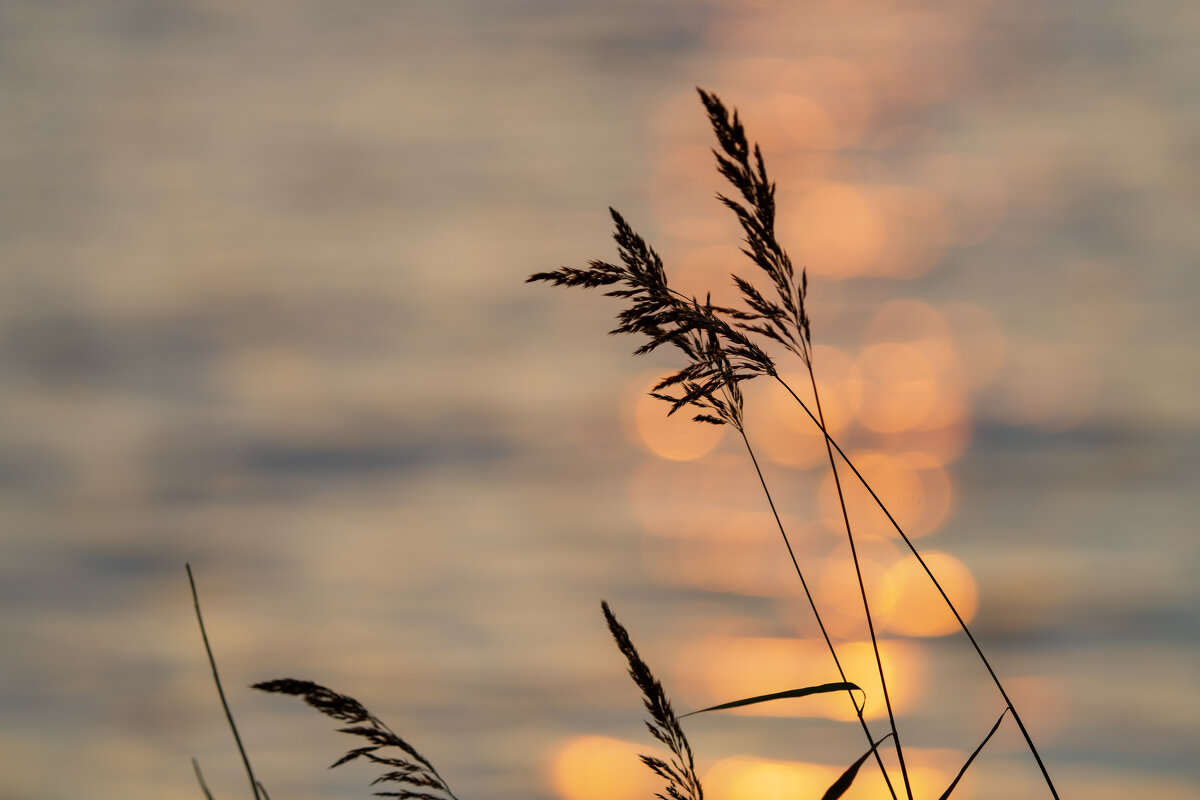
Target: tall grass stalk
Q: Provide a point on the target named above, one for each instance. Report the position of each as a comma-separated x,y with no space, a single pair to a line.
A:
1009,706
721,351
255,787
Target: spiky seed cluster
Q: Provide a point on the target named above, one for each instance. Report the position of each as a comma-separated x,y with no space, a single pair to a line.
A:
414,770
719,356
680,772
714,339
785,321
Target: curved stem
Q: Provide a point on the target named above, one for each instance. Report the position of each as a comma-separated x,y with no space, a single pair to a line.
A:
937,584
862,588
212,662
858,710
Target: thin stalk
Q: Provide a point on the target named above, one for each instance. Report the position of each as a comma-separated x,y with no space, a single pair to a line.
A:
937,584
254,785
862,588
858,710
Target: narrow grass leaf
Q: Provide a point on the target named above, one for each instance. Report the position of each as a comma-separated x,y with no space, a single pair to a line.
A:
200,779
842,784
824,688
963,771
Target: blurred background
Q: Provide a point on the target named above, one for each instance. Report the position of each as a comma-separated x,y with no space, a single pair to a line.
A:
262,310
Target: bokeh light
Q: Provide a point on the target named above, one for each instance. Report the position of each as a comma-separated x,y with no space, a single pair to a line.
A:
601,768
716,669
914,488
677,437
914,607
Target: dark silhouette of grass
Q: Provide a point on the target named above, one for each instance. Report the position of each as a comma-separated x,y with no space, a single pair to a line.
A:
680,772
720,351
411,769
259,792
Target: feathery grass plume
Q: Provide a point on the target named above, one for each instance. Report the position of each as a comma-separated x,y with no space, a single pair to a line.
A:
786,321
719,352
719,356
680,772
412,770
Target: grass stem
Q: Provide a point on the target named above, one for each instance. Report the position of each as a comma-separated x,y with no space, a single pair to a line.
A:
937,584
858,710
254,785
862,588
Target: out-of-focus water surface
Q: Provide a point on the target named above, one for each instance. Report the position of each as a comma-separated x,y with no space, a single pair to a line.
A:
262,311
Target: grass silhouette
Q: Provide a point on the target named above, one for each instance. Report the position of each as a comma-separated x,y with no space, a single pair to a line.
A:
722,347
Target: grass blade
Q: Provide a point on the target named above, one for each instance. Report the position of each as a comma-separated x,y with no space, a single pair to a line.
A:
963,771
200,779
221,692
840,786
765,698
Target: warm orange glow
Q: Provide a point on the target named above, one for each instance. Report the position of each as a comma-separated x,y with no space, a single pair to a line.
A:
838,596
937,493
599,768
820,102
843,231
705,270
682,188
898,484
677,437
746,778
796,121
717,669
749,778
900,387
783,431
839,383
915,608
839,231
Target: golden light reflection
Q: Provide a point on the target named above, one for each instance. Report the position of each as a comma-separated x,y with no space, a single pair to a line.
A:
599,768
838,597
706,270
821,102
899,387
746,778
838,230
781,428
915,489
844,230
717,669
750,778
677,437
914,606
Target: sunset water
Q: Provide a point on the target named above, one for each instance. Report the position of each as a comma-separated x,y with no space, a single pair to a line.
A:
263,311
